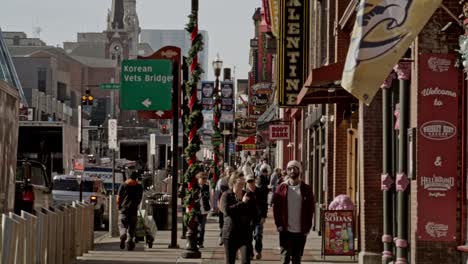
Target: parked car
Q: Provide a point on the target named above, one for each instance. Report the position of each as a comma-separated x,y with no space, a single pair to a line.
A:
33,188
66,189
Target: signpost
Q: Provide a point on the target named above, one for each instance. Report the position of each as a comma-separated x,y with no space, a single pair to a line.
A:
109,86
112,134
146,85
170,53
153,154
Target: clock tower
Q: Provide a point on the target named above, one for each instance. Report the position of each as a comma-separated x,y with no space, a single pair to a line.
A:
123,29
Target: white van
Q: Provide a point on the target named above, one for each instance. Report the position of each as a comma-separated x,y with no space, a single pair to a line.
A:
66,189
105,174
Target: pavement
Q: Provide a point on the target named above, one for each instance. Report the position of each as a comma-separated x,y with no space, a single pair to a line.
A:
107,251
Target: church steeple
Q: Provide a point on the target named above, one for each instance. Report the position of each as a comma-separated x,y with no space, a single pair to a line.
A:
123,29
117,14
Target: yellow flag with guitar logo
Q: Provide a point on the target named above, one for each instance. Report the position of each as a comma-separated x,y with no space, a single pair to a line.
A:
383,31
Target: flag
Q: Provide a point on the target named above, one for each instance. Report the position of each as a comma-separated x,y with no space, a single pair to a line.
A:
383,31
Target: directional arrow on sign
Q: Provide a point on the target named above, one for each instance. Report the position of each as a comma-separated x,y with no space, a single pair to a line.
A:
146,102
159,113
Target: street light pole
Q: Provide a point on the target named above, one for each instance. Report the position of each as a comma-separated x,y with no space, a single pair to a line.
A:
217,66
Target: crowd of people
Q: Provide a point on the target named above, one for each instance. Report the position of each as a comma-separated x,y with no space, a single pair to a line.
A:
243,206
242,201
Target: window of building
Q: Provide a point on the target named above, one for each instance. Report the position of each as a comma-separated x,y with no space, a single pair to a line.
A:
16,41
42,79
61,91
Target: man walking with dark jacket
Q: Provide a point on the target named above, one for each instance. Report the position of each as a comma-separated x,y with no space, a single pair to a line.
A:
293,209
128,200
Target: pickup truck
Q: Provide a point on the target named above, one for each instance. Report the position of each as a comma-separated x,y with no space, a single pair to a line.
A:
33,188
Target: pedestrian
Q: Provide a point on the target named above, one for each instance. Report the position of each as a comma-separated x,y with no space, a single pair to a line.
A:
261,194
259,197
222,186
293,211
205,207
239,212
274,182
247,167
128,201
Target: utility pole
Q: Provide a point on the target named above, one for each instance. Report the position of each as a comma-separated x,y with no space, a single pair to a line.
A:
112,130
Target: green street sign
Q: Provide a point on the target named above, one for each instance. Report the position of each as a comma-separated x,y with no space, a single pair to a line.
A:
146,85
109,86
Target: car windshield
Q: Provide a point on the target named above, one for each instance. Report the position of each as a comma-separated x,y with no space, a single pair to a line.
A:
37,174
72,185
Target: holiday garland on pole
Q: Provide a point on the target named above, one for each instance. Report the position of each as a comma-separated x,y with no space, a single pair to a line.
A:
193,122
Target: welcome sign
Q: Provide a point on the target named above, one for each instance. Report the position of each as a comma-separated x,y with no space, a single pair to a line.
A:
293,50
438,97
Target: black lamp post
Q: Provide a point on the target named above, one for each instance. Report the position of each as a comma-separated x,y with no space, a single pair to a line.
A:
217,66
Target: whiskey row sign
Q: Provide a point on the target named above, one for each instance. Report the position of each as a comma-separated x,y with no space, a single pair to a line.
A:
293,50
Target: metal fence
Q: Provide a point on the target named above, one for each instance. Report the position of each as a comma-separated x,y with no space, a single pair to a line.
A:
51,236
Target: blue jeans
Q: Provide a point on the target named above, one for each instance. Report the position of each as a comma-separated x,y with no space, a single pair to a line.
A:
258,237
201,228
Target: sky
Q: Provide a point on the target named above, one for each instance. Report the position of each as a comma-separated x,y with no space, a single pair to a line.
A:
228,22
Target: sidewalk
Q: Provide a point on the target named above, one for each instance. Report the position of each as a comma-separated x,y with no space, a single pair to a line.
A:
107,249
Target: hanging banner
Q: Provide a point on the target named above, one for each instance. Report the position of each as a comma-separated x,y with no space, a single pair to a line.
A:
293,50
227,102
338,239
274,16
207,95
382,34
437,155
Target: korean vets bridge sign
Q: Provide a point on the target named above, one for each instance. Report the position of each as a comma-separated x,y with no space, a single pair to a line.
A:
146,85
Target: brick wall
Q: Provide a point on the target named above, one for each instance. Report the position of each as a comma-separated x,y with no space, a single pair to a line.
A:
342,36
370,147
340,135
330,155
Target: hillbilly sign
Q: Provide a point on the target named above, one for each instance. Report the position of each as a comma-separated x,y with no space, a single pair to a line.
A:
293,50
438,109
279,132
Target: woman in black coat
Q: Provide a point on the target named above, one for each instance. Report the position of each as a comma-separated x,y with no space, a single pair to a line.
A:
239,211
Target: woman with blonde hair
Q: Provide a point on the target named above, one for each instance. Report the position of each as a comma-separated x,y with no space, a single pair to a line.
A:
239,211
221,186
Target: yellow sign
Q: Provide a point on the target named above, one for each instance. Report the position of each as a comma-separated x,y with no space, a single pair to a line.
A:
293,50
383,31
274,15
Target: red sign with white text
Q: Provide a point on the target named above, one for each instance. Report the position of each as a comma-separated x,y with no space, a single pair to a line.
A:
437,154
278,132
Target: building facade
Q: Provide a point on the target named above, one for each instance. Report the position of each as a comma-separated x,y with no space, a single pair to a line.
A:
378,154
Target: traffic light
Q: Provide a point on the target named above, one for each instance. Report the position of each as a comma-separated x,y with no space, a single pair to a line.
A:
87,98
164,129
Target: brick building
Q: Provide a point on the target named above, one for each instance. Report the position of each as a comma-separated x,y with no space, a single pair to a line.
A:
342,147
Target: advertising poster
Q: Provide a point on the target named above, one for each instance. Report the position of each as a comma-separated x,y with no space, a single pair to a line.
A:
207,89
437,155
227,102
260,99
339,235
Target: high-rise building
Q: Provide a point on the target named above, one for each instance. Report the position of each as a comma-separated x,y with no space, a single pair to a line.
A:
158,38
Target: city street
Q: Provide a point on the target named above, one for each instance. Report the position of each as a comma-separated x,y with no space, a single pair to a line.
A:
107,250
353,113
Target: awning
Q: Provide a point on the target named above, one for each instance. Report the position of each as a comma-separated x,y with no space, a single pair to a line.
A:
248,143
323,86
